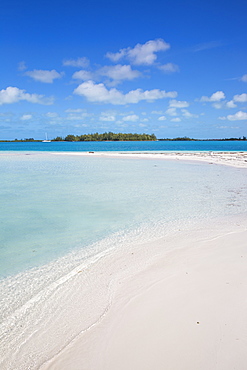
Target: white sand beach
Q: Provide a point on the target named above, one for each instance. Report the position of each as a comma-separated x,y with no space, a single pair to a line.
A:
184,309
236,159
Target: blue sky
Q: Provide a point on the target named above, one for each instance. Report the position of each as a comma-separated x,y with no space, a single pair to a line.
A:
173,68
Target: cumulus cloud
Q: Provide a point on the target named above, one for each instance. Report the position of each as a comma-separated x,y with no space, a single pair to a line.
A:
77,110
44,75
157,112
82,75
141,54
231,104
26,117
107,117
162,118
78,116
99,93
177,119
187,114
131,118
239,116
51,114
119,72
169,68
13,95
242,98
82,62
178,104
172,111
217,96
218,105
244,78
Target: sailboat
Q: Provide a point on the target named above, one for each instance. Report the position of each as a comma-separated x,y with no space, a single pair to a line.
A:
46,139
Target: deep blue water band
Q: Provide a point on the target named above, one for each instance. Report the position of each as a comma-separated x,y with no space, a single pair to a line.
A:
140,146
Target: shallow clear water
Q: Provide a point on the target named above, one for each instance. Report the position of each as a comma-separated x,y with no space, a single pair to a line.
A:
51,205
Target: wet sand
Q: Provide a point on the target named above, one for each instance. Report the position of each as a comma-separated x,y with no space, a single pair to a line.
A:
185,309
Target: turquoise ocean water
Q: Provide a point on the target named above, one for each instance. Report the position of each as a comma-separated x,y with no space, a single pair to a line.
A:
128,146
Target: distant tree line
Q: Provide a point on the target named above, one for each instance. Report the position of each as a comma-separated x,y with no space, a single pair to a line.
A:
108,136
235,138
184,138
20,140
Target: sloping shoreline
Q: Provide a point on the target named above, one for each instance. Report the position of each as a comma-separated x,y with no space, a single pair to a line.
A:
184,308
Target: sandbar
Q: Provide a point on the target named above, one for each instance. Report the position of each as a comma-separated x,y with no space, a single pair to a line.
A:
184,309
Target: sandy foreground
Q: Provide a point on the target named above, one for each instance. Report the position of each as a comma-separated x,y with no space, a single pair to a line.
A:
236,159
185,309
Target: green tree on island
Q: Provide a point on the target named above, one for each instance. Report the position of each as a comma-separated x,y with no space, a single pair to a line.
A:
109,136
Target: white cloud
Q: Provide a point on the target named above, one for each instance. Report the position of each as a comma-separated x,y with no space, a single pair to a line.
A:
157,112
107,117
231,104
115,57
217,105
177,119
26,117
242,98
116,73
81,125
119,72
171,111
169,68
239,116
79,62
244,78
51,114
217,96
99,93
131,118
13,95
78,116
178,104
44,75
162,118
78,110
141,54
82,75
187,114
207,45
